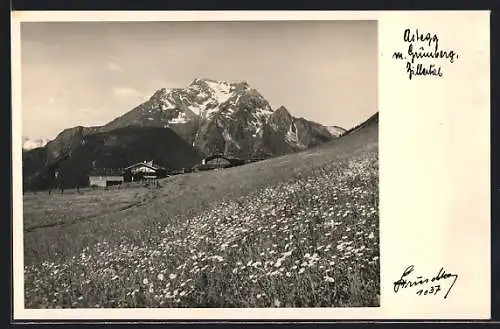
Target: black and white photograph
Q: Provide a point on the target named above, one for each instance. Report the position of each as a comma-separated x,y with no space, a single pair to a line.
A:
200,164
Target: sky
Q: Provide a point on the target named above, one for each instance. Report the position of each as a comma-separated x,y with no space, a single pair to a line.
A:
88,73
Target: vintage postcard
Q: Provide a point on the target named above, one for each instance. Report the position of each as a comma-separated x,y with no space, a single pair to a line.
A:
251,165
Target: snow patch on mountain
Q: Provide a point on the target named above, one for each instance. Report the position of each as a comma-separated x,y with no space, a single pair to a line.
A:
210,112
199,108
291,135
237,99
181,118
221,90
264,113
229,139
258,133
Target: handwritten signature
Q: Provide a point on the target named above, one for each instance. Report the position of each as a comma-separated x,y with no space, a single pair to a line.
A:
425,286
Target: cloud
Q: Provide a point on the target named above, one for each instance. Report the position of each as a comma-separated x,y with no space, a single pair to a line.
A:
123,92
114,67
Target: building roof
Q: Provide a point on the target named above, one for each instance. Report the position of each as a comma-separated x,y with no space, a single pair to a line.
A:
106,172
144,164
230,159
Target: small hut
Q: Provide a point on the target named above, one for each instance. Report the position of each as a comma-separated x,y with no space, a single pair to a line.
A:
105,177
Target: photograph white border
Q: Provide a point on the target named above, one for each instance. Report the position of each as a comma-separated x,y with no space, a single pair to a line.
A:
434,151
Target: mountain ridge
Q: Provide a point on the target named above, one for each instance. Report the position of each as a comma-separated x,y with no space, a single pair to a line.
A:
211,116
218,116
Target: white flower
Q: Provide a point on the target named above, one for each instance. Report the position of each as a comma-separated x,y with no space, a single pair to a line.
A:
301,270
160,277
329,279
219,258
172,276
145,281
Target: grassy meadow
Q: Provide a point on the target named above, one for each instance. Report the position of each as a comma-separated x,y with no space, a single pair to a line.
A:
300,230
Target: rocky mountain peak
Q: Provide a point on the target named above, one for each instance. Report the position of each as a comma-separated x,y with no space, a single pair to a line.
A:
281,120
282,112
215,86
239,86
160,92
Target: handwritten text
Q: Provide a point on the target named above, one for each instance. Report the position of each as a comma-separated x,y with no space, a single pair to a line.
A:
423,54
425,285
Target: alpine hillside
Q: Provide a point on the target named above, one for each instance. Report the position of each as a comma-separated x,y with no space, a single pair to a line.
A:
113,149
205,117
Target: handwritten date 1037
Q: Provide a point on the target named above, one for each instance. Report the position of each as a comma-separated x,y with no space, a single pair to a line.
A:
433,290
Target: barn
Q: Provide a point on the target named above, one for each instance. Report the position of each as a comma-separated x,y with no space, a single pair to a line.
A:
105,178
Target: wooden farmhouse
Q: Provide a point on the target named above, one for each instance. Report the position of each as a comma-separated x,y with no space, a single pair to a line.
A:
143,170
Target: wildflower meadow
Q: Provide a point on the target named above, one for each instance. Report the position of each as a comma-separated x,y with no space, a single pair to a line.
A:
309,242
